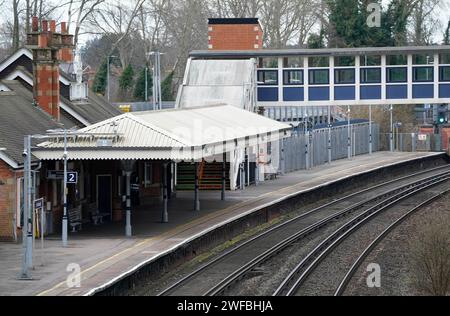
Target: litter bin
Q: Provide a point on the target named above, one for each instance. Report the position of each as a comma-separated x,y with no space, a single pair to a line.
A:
48,223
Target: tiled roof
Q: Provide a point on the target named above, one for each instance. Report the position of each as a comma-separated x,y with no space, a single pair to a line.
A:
19,118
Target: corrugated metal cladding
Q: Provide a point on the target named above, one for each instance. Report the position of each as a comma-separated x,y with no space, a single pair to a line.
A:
187,134
217,82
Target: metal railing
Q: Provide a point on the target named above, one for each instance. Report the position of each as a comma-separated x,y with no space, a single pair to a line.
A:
306,150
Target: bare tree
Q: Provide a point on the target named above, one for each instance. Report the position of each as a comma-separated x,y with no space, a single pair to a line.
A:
425,20
116,20
83,9
282,20
236,8
16,32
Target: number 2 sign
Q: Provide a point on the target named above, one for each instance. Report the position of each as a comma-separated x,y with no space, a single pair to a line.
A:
72,177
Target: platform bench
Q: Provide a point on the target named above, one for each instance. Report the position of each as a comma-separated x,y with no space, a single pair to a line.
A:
97,217
75,218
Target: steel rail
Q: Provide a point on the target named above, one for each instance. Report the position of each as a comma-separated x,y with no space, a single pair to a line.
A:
291,283
219,258
346,280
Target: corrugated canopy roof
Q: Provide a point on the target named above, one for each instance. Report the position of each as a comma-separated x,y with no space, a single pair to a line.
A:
183,134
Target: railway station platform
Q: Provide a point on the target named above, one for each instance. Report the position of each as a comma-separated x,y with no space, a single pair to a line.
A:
105,255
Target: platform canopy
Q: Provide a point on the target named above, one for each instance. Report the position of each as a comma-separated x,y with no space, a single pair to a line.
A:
177,135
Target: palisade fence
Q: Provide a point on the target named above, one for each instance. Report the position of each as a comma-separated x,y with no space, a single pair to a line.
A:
303,151
411,142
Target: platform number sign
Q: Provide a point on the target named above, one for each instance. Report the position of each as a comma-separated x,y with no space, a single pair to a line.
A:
72,177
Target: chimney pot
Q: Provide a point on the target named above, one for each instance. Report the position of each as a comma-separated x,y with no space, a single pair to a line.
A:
44,26
35,24
63,28
53,26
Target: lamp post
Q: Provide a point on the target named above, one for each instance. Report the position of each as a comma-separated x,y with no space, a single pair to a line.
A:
109,58
27,261
146,83
157,96
349,128
391,134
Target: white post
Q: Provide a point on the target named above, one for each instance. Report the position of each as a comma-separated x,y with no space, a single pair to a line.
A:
146,84
224,170
165,214
383,77
305,121
332,69
65,218
329,134
349,143
128,230
357,78
391,134
107,76
410,76
436,76
27,234
370,131
196,190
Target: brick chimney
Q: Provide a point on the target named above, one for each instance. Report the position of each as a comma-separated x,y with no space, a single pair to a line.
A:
49,48
235,34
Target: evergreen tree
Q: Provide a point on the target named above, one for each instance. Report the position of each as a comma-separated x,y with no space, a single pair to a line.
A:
100,79
127,78
349,24
139,89
447,34
396,22
316,40
166,88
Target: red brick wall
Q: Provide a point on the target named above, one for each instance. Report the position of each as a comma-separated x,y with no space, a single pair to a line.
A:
426,130
7,202
235,37
49,49
445,137
47,88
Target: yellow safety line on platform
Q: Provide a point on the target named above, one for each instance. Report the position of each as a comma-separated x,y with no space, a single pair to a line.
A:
191,224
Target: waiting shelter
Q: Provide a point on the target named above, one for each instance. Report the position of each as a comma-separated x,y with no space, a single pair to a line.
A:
150,144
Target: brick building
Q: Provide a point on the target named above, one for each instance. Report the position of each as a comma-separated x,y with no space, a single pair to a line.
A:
37,94
235,34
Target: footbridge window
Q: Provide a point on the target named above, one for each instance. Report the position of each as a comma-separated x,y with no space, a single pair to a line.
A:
423,74
293,77
268,77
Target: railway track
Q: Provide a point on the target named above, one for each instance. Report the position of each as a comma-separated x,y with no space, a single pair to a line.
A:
214,277
303,270
352,271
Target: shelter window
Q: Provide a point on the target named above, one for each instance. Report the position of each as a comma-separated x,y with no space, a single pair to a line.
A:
371,75
397,75
319,76
343,76
423,74
268,77
293,77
